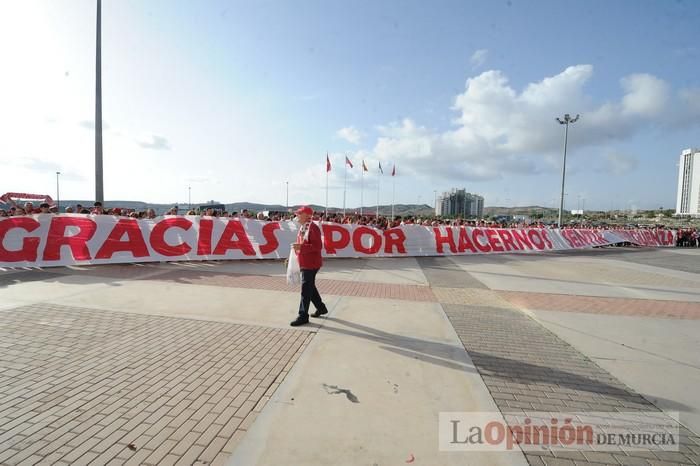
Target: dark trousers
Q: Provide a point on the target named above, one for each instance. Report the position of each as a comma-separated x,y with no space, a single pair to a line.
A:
309,293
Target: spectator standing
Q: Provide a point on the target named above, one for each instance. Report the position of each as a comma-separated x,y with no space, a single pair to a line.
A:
308,249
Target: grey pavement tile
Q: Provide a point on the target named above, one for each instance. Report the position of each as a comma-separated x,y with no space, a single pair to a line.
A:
526,366
442,272
117,380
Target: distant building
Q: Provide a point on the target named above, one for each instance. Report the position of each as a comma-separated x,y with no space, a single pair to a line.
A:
688,200
214,206
460,203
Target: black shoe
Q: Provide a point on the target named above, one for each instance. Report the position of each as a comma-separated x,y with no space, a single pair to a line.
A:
299,321
319,312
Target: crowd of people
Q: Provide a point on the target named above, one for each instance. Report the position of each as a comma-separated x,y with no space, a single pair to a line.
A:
686,237
98,209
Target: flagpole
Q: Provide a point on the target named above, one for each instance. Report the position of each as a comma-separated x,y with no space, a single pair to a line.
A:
326,194
328,168
362,187
345,186
393,195
379,179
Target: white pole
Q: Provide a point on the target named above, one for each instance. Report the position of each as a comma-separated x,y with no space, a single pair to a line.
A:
379,178
345,187
393,196
58,194
326,193
362,186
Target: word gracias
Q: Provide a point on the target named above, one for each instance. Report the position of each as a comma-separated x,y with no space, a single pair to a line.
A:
126,235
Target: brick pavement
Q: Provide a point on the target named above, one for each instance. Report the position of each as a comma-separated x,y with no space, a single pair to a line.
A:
603,305
56,406
669,259
529,369
572,268
439,291
448,284
80,385
325,286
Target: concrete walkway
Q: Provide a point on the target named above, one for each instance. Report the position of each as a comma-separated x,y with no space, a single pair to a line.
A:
194,363
369,390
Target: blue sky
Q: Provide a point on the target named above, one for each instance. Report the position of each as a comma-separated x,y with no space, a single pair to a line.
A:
236,98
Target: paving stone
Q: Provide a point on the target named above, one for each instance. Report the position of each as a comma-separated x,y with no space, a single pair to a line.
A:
110,389
518,357
631,460
601,305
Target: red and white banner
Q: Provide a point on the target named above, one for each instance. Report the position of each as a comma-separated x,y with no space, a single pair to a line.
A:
50,240
11,198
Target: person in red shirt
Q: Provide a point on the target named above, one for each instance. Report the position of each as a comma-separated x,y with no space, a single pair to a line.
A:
308,249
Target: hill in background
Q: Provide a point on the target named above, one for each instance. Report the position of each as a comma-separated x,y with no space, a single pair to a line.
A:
424,210
399,209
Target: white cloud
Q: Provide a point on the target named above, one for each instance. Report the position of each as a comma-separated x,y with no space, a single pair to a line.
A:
350,134
479,58
645,95
499,130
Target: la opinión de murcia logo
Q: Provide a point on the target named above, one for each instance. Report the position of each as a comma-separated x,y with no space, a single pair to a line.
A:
491,432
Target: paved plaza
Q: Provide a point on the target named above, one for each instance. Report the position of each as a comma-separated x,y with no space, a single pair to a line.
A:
194,363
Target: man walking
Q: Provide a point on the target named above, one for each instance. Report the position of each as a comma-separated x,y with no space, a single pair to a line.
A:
308,248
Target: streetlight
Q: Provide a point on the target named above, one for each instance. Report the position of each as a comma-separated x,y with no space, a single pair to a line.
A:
99,187
58,194
567,119
287,182
189,198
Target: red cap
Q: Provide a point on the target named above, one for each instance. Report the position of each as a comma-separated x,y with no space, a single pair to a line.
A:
304,210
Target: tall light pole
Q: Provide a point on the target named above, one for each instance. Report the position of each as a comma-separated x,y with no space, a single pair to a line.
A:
99,189
567,119
58,194
287,182
189,197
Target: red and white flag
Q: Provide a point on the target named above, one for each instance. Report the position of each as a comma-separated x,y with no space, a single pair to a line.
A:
347,161
328,163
